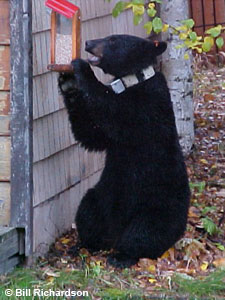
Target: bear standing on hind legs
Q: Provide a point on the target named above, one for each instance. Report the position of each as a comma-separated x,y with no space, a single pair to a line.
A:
139,207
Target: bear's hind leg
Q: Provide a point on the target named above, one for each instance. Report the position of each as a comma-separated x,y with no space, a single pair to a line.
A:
142,238
91,225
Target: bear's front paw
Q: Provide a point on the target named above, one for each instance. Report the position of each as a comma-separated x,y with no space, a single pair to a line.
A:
82,72
80,66
67,83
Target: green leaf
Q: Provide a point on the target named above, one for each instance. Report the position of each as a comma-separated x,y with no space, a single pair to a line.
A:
220,246
215,31
208,43
157,1
199,185
220,42
148,27
183,36
193,36
138,9
165,27
189,23
137,19
119,7
157,24
208,209
151,12
209,226
182,28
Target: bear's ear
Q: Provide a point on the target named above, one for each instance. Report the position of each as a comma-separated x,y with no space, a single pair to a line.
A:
160,47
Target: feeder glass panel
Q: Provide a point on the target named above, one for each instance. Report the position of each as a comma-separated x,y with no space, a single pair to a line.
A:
63,43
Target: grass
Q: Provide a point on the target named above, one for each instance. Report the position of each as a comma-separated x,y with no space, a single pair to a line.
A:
107,285
209,286
29,279
62,280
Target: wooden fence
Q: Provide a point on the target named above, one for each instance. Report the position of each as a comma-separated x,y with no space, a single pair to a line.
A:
207,14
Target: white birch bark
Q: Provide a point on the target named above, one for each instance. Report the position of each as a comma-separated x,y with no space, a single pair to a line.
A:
178,72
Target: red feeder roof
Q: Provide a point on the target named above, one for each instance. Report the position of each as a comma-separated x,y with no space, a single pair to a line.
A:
62,7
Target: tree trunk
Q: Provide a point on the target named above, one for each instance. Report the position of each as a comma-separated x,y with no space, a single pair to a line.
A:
178,72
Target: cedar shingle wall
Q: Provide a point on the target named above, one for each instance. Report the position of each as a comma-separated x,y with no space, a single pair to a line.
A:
63,170
4,113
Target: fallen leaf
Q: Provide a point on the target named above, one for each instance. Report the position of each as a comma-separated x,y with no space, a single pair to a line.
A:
50,279
165,255
146,264
152,269
219,262
204,266
193,212
65,241
204,161
209,97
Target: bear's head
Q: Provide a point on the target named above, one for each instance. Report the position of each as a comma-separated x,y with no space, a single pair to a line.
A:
121,55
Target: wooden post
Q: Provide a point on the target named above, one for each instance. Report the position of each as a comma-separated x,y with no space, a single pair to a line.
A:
53,36
76,37
21,118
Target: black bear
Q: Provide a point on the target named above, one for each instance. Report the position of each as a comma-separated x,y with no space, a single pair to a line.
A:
139,207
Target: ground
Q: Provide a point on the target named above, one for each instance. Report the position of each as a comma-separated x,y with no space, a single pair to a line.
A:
195,267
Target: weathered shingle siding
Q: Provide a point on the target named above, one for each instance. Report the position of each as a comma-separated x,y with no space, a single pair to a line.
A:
5,140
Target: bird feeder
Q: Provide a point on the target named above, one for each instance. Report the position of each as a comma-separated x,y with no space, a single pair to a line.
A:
65,34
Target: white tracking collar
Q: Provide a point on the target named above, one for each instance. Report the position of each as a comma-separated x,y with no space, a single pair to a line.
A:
119,85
